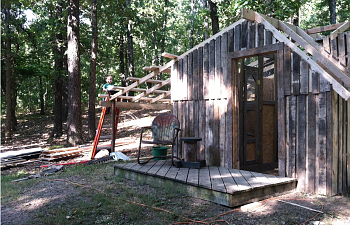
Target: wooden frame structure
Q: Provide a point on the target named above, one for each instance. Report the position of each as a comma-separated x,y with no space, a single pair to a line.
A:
310,107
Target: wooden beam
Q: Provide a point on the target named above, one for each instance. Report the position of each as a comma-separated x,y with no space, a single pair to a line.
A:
130,105
143,80
335,71
324,28
341,29
152,89
161,97
154,68
170,56
264,50
148,81
140,89
343,92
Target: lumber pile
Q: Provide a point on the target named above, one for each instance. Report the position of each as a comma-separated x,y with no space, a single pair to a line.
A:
12,158
62,153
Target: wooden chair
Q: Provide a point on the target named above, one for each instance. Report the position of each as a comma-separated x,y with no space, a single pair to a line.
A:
165,129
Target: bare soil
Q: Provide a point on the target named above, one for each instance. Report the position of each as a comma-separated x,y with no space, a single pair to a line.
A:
34,130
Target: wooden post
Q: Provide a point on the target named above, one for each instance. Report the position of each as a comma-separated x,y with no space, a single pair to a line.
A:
113,125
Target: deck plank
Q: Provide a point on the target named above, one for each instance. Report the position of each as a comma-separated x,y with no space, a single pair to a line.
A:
156,167
242,183
216,180
136,167
204,178
192,177
182,175
253,181
172,172
146,167
228,180
262,179
163,170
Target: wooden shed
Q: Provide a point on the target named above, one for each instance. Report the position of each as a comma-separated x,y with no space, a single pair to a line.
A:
264,91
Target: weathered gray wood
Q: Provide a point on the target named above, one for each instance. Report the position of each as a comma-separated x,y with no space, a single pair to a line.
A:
251,38
241,182
200,74
304,77
204,178
224,83
324,84
260,37
185,78
329,143
209,154
287,71
231,40
281,112
334,49
163,170
216,134
253,181
326,45
244,35
172,173
190,77
311,131
340,144
344,142
146,167
237,37
202,129
182,175
193,176
292,136
174,82
315,88
180,85
206,71
211,84
259,93
341,49
196,133
322,137
195,79
348,130
136,167
348,50
190,119
335,145
228,180
264,50
296,74
176,113
218,72
156,167
217,183
230,124
182,124
222,131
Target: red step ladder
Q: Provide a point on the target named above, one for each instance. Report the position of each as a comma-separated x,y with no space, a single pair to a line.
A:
95,147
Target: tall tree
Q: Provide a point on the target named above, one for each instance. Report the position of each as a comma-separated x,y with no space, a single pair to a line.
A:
92,83
8,133
74,122
214,16
130,47
58,71
332,11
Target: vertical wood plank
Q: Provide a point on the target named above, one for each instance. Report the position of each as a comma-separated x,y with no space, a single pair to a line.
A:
301,147
218,74
315,88
195,77
190,77
216,133
234,107
304,77
324,84
261,32
202,129
335,145
174,81
206,71
231,40
230,130
344,136
334,48
251,38
287,71
209,132
185,78
222,131
200,74
180,84
340,144
182,122
190,119
244,35
259,110
348,137
281,112
237,37
296,74
341,49
348,52
311,132
329,141
322,139
268,37
212,90
224,83
196,116
326,44
292,137
175,113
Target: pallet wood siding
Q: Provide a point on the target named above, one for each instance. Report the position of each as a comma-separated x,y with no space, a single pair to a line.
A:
312,129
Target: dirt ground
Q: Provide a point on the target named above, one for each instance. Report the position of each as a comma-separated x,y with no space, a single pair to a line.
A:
33,132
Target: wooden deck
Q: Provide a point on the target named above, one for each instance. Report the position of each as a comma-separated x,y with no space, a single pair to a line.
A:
229,187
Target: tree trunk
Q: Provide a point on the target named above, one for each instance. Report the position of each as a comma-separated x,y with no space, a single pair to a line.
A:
74,123
214,17
206,23
92,84
130,50
192,28
41,96
332,11
8,133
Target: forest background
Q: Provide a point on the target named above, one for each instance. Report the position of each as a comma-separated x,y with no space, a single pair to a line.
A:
55,54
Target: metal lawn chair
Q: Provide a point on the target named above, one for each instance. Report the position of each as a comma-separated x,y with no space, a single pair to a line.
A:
165,129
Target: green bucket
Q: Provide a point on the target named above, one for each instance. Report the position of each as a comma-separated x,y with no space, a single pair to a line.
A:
159,151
